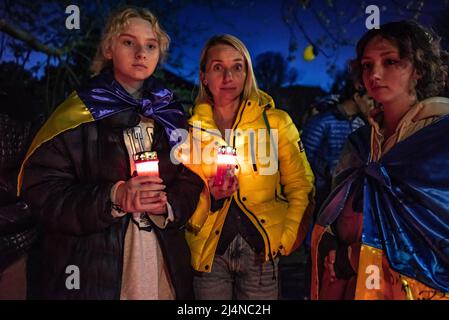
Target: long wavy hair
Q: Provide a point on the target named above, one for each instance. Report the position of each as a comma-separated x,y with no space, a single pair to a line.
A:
117,21
421,46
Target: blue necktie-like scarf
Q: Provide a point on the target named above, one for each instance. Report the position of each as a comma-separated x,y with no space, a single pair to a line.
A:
104,96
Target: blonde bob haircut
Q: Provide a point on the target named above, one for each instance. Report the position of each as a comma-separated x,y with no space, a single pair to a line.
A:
250,89
117,21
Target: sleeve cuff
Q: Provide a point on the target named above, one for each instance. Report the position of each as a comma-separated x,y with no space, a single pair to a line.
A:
161,221
115,212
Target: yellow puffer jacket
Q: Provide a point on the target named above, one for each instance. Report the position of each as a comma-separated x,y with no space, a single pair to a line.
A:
274,195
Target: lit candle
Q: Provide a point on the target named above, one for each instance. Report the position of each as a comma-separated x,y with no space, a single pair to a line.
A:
226,160
147,164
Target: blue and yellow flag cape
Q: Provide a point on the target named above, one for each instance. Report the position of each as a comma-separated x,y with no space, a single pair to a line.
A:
101,97
405,208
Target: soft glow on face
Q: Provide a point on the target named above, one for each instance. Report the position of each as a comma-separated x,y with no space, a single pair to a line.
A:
225,73
388,78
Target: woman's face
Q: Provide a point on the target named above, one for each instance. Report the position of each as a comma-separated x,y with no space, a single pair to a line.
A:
386,76
225,73
134,53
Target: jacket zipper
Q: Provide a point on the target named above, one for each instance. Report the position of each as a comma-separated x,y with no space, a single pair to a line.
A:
241,202
259,223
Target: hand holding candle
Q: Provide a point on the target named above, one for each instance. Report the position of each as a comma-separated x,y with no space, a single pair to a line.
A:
226,161
230,185
224,183
142,194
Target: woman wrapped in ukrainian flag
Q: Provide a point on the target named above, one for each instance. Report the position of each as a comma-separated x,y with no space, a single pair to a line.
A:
110,230
383,233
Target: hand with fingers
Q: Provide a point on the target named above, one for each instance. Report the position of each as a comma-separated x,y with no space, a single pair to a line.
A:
143,194
338,264
328,249
229,186
329,262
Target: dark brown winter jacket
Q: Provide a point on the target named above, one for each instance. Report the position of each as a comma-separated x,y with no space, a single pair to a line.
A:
67,183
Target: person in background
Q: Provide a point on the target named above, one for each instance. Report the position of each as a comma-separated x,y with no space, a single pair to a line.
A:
324,137
325,134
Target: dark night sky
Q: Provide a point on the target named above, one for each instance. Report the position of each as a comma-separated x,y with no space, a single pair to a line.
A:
259,25
261,28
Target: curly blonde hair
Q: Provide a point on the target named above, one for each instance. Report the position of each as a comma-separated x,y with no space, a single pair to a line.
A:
417,44
117,21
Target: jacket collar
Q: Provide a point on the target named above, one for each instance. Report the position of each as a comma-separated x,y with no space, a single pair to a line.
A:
428,108
431,107
249,110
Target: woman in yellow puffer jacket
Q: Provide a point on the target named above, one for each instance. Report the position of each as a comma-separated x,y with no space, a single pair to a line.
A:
241,227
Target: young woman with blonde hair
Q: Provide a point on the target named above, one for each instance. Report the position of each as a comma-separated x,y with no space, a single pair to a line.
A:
241,227
116,229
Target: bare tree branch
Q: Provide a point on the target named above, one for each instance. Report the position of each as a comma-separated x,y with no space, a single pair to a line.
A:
308,38
415,7
30,40
326,29
289,15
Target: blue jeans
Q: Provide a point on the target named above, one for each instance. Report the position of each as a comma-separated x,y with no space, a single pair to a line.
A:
239,274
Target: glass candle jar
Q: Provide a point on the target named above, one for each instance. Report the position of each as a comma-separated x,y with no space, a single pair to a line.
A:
147,163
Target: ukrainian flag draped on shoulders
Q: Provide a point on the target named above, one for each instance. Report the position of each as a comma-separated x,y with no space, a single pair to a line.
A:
102,96
405,213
